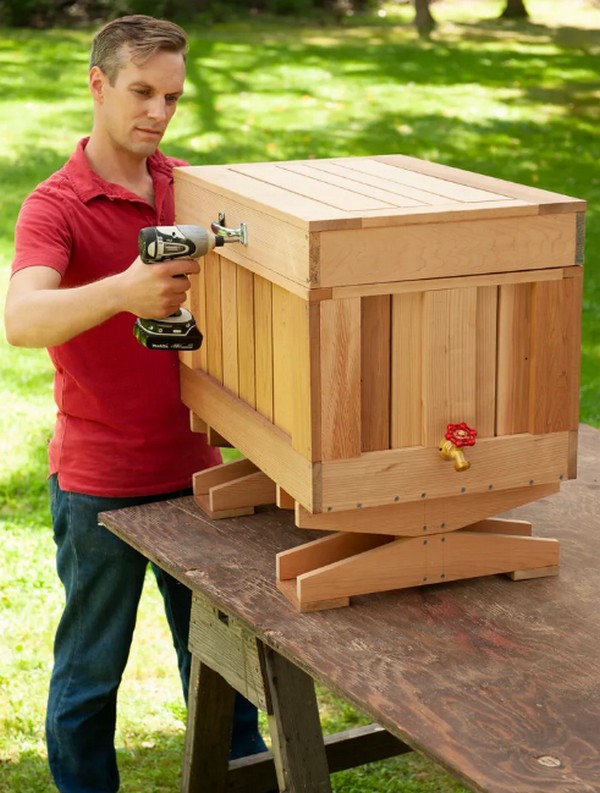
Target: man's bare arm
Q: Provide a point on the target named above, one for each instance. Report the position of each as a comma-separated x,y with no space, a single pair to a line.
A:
39,313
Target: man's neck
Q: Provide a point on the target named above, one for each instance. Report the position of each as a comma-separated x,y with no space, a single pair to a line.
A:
120,167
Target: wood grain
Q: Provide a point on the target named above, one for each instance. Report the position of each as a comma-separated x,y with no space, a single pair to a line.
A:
487,677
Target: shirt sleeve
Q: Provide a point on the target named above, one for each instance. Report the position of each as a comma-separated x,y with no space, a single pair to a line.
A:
43,235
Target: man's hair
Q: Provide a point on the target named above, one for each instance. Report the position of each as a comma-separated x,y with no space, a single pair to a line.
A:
137,38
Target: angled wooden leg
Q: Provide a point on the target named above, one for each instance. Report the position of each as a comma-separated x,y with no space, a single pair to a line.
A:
409,562
208,735
298,748
232,489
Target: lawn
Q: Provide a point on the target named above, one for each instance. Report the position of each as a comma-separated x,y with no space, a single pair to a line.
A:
519,101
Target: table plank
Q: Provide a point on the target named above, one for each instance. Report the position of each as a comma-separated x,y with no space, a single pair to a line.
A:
498,681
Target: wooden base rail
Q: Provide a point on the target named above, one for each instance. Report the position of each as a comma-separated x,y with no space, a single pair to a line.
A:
379,549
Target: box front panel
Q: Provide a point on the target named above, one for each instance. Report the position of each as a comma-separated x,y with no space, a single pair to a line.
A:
504,359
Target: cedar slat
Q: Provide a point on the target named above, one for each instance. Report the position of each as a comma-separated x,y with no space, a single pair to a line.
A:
375,368
340,353
407,366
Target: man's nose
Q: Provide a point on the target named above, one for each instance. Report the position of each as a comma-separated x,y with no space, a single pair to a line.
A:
158,109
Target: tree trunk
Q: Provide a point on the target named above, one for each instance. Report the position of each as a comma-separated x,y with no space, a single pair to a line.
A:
515,9
424,20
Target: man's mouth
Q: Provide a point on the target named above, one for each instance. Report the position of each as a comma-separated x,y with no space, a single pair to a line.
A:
156,133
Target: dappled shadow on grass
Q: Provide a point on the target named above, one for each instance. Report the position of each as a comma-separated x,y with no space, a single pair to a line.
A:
28,77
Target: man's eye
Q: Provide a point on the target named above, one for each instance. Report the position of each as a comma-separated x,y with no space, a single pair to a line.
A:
142,91
171,98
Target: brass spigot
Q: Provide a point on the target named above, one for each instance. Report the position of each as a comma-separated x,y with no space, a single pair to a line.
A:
451,446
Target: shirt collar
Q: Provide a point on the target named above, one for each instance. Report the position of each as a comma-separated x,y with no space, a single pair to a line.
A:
87,184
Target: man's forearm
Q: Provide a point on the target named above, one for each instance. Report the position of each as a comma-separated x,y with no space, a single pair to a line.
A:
48,317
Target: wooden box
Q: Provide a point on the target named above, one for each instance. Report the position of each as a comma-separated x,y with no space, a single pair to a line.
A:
376,301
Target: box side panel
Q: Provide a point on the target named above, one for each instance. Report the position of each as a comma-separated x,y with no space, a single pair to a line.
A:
398,476
504,359
258,439
437,250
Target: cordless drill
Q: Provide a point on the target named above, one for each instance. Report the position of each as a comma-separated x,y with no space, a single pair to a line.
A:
161,244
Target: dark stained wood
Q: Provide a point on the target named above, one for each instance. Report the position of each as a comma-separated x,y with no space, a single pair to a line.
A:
346,749
298,749
496,680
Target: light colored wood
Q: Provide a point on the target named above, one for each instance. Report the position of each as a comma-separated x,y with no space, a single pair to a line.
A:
284,330
283,499
223,643
552,202
219,474
215,439
573,446
413,474
424,516
417,561
433,284
375,372
203,501
449,361
287,177
246,335
283,249
289,589
196,423
555,355
539,572
485,361
444,249
196,303
406,410
521,528
229,329
213,337
340,352
514,341
364,183
324,551
428,189
252,434
263,351
252,490
305,377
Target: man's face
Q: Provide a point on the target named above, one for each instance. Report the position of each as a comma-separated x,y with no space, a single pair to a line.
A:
135,111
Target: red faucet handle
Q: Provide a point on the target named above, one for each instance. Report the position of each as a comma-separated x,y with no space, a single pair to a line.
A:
461,434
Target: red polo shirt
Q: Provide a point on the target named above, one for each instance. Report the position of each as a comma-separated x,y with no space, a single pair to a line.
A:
121,427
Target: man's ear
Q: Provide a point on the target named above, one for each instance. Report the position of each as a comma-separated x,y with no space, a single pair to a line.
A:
97,81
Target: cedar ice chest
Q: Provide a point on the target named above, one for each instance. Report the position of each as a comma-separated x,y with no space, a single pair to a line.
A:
375,317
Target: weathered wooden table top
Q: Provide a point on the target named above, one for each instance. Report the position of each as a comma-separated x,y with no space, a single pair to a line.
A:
496,680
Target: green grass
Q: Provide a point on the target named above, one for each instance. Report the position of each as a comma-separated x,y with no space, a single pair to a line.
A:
519,101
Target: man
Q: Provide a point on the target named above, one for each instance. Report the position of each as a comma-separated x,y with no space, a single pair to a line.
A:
122,434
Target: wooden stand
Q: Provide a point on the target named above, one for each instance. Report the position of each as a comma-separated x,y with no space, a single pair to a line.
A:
391,547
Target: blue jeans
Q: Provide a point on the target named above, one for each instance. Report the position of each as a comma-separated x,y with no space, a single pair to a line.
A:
103,579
